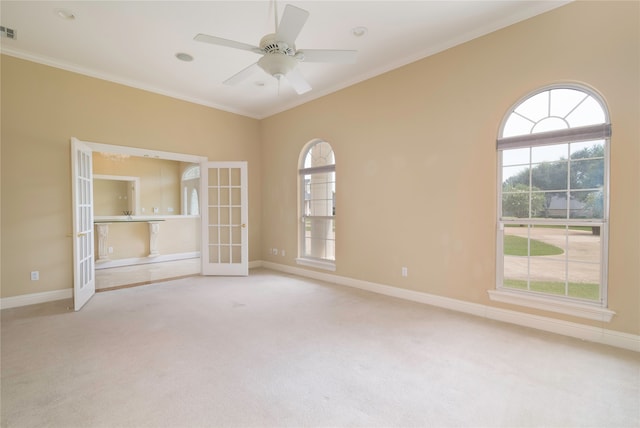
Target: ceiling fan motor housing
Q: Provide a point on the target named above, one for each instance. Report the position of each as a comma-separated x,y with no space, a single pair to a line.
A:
269,44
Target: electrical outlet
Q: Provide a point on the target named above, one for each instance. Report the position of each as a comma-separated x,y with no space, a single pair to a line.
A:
110,249
282,253
275,251
35,275
405,271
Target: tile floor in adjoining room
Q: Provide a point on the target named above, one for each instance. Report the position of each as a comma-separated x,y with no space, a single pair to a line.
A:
145,273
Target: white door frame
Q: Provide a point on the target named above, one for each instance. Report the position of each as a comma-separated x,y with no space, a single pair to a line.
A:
84,281
225,216
88,290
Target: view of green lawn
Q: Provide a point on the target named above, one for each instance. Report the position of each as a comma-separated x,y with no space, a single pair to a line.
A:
517,246
520,246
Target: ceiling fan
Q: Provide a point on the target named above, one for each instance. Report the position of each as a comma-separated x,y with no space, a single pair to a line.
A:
280,57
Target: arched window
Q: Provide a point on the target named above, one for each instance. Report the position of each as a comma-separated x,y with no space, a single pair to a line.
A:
317,206
553,160
190,183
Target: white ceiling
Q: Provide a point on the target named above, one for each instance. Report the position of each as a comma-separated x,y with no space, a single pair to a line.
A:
135,42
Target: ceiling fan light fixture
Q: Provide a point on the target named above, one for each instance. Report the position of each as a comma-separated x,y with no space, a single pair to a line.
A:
277,65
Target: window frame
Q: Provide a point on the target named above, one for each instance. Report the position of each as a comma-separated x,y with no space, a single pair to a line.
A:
596,310
303,257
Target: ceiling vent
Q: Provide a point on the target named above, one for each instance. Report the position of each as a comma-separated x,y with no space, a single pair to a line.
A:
9,33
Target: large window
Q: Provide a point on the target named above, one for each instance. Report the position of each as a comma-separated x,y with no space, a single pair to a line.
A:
317,206
553,157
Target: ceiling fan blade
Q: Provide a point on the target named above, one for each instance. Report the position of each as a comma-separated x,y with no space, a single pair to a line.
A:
242,75
327,55
292,21
228,43
298,82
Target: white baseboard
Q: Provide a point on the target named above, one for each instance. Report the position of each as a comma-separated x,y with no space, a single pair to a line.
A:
32,299
106,264
566,328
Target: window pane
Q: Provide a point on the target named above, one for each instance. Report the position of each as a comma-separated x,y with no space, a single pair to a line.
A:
584,245
563,101
587,174
587,204
517,125
549,176
319,238
515,204
587,149
516,156
588,112
549,153
555,205
512,175
584,281
536,107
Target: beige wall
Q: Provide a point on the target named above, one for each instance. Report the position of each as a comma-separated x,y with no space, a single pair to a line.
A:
131,239
48,107
416,158
415,149
160,181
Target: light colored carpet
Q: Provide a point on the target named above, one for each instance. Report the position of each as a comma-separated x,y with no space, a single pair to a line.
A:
272,350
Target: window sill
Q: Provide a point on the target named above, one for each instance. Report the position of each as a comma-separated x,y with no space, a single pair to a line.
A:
319,264
553,305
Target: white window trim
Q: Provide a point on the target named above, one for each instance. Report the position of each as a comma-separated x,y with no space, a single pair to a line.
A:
318,263
552,304
560,304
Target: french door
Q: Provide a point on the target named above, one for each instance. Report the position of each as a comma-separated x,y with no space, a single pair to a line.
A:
84,284
225,234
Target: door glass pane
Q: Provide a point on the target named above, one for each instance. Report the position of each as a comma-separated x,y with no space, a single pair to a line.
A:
214,254
236,215
213,196
225,254
224,215
225,236
213,176
236,235
236,254
224,176
213,215
213,234
235,197
224,196
235,177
